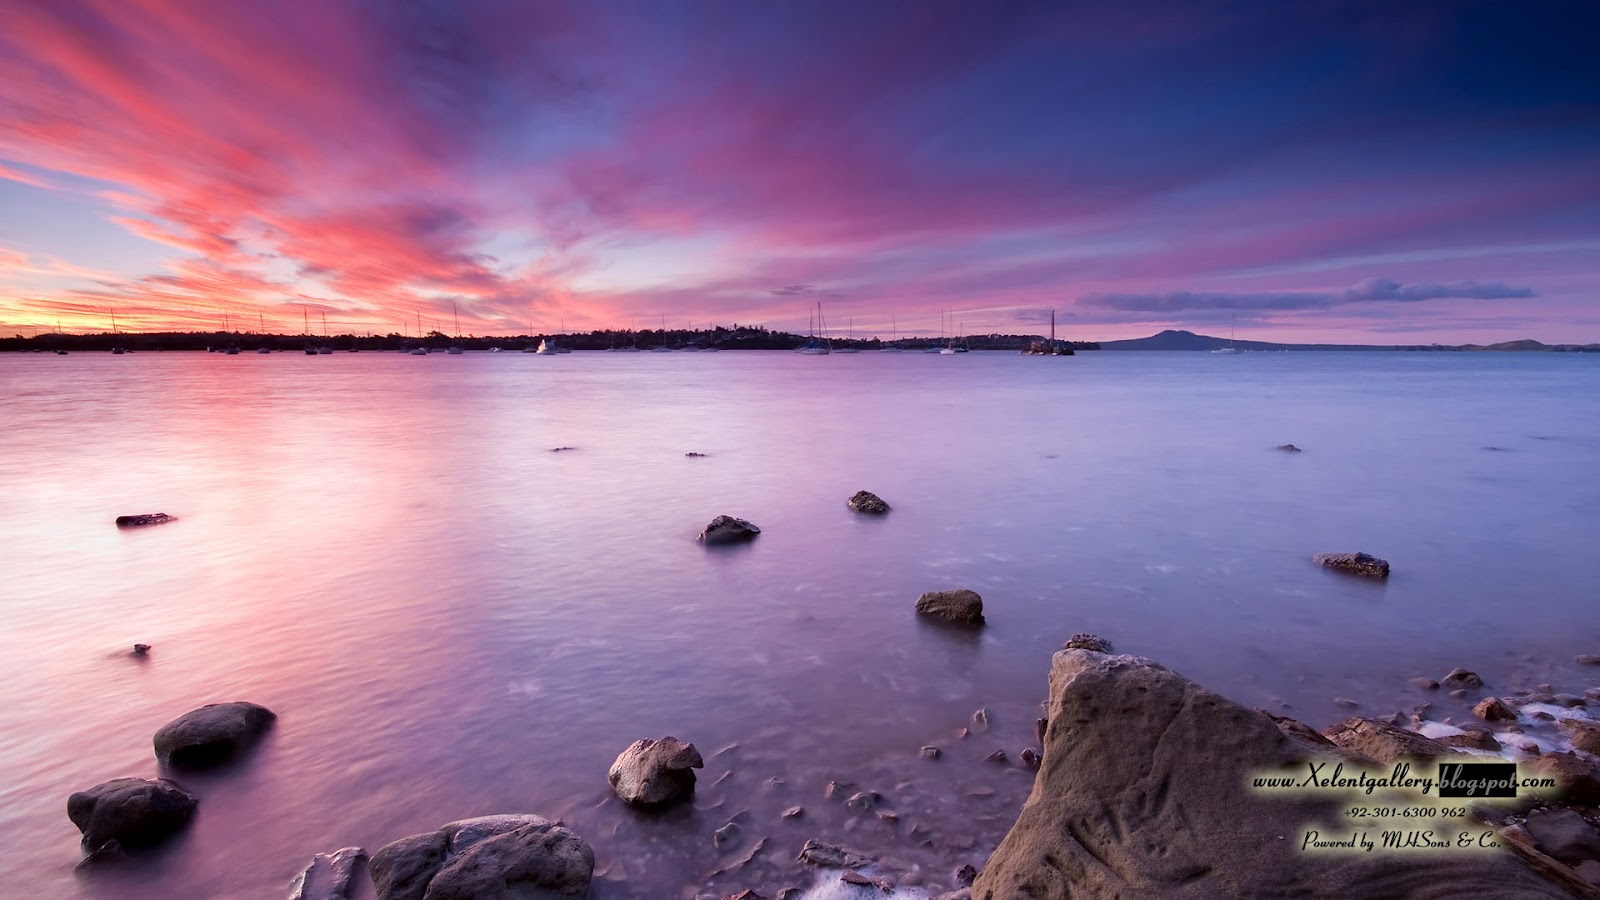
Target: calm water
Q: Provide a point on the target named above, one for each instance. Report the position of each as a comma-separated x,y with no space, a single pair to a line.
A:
453,620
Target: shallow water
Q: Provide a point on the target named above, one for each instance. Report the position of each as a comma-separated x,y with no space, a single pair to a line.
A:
453,620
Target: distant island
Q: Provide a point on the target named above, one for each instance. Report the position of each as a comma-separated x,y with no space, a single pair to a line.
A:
1188,340
738,337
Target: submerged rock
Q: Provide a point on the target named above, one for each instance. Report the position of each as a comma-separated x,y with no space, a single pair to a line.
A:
144,519
211,735
1355,563
135,812
868,502
655,773
960,606
727,530
331,876
1144,792
506,857
1288,448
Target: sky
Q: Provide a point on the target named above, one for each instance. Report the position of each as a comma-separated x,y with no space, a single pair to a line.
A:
1356,172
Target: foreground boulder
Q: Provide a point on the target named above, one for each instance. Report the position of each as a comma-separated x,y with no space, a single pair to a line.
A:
655,773
1145,792
144,519
727,530
135,812
962,606
509,857
868,502
331,876
1355,563
211,735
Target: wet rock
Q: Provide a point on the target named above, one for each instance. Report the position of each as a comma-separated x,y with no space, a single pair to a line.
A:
1427,684
838,789
1299,731
104,856
856,878
1570,701
655,773
144,519
960,606
693,455
1355,563
141,649
1382,741
1086,641
1472,738
1589,659
212,734
745,895
1345,702
791,894
135,812
491,858
1578,778
868,502
863,801
828,856
930,752
330,876
1493,709
1584,735
998,756
1040,726
727,834
1461,678
794,812
1564,834
1031,758
1202,831
561,449
964,876
963,894
979,723
727,530
885,816
1289,448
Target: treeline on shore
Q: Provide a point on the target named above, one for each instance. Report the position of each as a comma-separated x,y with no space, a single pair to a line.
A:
735,338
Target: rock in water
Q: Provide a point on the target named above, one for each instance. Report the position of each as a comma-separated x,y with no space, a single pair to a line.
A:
211,735
507,857
961,606
1289,448
1357,563
331,876
655,773
1145,792
144,519
1382,741
135,812
868,502
728,530
1493,709
1084,641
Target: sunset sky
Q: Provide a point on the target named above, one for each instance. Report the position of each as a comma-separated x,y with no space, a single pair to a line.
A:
1365,172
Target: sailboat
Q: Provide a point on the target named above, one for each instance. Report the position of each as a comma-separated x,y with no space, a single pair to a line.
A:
1230,348
850,347
894,345
455,349
813,346
663,348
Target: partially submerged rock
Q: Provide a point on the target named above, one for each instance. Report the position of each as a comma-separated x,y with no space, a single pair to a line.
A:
1355,563
1584,735
828,856
211,735
727,530
1564,834
508,857
1288,448
1084,641
963,607
1382,741
1461,678
1493,709
868,502
144,519
330,876
1145,792
135,812
655,773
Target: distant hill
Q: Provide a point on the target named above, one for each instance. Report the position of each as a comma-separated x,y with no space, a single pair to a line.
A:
1188,340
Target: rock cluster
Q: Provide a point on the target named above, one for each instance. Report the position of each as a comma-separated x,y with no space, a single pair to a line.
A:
506,857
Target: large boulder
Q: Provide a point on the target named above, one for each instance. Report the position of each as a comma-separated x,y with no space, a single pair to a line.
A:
212,734
1564,834
963,607
867,502
655,773
135,812
727,530
508,857
1356,563
1146,792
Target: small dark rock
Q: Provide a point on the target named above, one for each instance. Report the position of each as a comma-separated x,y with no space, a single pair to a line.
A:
1589,659
961,606
930,752
1355,563
1570,701
1084,641
1564,834
856,878
1031,758
726,834
1461,678
964,876
693,455
1040,726
1383,741
746,895
838,788
998,756
727,530
1289,448
212,734
1427,684
330,876
794,812
560,449
141,649
828,856
867,502
144,519
1578,778
861,801
1473,738
1345,702
135,812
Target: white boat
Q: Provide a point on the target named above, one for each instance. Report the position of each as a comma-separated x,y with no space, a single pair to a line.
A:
851,347
815,346
419,351
1230,349
546,347
454,351
263,349
894,345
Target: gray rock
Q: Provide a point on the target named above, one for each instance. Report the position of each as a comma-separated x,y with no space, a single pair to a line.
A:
727,530
1564,834
828,856
1589,659
655,773
868,502
1588,870
961,606
212,734
331,876
930,752
1356,563
1290,448
510,857
135,812
1461,678
1084,641
1382,741
1143,793
144,519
